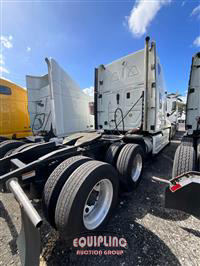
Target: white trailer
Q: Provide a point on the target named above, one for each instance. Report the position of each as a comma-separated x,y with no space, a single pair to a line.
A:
57,105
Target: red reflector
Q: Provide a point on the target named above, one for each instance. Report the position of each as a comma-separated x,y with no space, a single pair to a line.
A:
175,187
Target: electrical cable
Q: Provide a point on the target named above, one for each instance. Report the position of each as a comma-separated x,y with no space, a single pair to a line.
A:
124,116
41,123
115,118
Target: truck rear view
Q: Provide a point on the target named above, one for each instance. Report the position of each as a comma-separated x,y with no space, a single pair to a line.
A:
130,98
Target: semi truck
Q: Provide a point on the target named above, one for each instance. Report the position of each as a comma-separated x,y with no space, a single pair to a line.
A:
79,178
183,190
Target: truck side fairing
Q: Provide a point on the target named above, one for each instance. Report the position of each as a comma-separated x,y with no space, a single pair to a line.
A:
193,97
56,102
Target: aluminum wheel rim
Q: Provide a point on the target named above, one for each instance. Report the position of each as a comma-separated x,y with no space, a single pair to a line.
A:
136,167
98,204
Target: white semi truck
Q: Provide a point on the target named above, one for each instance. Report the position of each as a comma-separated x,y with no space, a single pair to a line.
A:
79,179
183,192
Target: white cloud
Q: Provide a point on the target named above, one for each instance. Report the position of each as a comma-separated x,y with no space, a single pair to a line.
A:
6,41
142,15
2,62
4,70
197,41
89,91
28,49
196,11
183,3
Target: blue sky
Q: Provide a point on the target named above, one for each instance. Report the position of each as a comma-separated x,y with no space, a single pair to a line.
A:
80,35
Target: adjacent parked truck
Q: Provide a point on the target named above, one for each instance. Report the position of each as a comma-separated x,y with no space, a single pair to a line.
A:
14,116
52,105
57,105
183,192
78,179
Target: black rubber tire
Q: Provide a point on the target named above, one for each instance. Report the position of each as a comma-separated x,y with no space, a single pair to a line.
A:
8,145
124,165
71,202
55,182
184,159
113,153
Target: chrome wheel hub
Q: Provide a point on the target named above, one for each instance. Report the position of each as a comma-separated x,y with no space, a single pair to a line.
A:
98,204
136,167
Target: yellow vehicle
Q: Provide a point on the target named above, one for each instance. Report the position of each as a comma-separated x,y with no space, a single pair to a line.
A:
14,116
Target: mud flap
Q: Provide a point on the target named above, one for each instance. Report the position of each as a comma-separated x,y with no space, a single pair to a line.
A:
28,242
186,199
184,193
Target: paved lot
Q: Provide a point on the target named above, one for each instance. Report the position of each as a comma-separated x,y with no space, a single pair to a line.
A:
156,236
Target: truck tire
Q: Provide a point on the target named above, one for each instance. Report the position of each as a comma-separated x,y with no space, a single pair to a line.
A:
113,153
8,145
87,199
184,159
55,183
130,166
